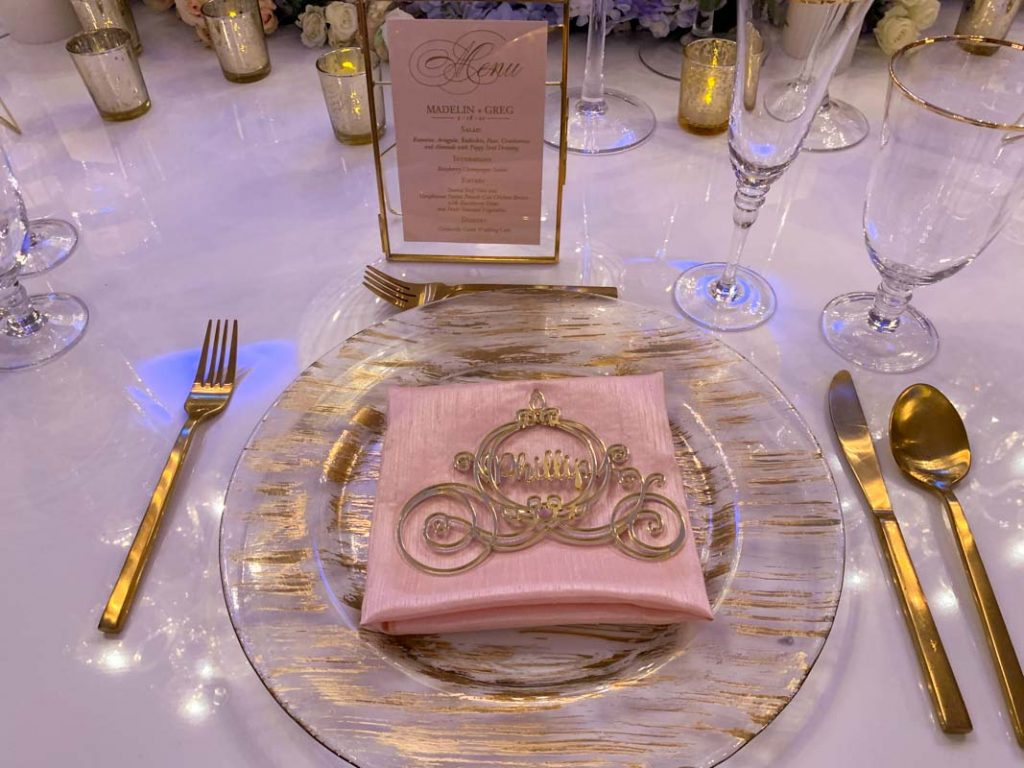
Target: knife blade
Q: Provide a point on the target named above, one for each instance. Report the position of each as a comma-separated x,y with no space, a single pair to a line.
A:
851,428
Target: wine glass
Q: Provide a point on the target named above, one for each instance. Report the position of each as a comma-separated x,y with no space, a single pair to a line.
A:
601,120
32,329
949,175
50,242
767,126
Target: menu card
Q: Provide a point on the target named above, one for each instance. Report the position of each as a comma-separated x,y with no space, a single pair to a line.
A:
469,120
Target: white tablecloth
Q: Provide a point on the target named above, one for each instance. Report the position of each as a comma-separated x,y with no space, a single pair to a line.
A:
235,200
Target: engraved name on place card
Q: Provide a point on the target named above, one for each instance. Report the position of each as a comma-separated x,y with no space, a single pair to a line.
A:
469,125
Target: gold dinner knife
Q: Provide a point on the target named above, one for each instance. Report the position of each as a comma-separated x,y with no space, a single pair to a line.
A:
851,428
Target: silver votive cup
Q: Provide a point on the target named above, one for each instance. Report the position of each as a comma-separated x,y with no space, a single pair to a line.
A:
343,80
236,31
706,85
987,18
107,14
106,61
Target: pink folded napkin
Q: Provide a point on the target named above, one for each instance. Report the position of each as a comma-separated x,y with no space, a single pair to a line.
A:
550,582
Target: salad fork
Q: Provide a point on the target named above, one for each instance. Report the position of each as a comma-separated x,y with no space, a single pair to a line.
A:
210,394
406,295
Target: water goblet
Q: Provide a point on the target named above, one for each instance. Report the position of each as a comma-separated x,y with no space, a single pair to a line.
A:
37,328
767,126
949,175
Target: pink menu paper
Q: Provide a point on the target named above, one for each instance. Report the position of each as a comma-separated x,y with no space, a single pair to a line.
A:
469,120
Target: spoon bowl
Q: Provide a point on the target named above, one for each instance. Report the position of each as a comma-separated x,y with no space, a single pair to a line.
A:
928,438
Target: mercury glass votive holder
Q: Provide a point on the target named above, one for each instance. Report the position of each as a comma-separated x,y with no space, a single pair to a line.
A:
107,14
705,87
236,32
343,80
106,61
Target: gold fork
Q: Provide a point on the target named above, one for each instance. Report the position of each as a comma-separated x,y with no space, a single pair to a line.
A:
406,295
210,394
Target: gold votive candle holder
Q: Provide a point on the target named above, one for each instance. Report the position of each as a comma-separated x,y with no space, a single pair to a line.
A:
987,18
106,61
236,32
107,14
343,80
706,85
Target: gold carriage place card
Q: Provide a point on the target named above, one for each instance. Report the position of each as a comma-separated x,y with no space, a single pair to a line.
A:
522,504
468,101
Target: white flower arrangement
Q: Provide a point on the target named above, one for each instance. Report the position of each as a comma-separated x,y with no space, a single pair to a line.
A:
903,22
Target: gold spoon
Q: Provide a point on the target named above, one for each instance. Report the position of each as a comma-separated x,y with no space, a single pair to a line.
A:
930,445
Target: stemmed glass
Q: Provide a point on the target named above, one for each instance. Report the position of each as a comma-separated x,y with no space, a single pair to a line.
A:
50,242
32,329
601,120
766,130
949,175
836,125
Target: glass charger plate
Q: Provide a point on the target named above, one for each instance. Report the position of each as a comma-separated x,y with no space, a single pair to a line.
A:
763,509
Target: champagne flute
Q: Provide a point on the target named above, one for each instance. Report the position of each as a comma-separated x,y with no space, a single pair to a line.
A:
767,126
37,328
949,175
601,120
50,242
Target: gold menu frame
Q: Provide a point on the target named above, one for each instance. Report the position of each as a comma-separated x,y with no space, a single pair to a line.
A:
382,217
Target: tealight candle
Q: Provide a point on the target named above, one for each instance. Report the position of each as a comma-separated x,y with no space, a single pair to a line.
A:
343,80
107,14
706,84
236,32
106,61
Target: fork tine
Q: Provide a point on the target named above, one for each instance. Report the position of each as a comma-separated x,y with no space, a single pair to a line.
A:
201,368
390,298
387,289
388,280
218,379
390,287
208,376
233,355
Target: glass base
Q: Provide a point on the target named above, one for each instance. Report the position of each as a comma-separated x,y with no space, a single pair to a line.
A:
837,125
51,241
663,57
750,303
62,323
624,122
909,346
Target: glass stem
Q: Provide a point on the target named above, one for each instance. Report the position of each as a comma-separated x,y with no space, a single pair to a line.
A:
592,94
19,317
748,200
704,21
891,301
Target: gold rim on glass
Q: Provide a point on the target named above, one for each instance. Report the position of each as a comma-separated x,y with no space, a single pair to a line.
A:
972,39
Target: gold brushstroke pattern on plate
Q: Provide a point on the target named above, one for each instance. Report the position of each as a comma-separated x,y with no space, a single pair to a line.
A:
763,509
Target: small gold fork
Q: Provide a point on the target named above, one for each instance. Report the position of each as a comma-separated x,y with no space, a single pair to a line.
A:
210,394
406,295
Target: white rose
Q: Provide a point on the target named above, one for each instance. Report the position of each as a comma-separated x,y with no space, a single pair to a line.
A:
376,13
190,13
398,14
343,23
313,24
895,30
922,12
